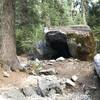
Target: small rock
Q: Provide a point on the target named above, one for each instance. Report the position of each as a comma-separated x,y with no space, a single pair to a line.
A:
4,98
52,61
50,71
43,64
14,94
70,60
29,91
39,98
23,65
47,83
68,81
6,74
76,60
32,72
30,80
74,96
92,87
37,60
62,81
52,92
60,59
74,78
87,92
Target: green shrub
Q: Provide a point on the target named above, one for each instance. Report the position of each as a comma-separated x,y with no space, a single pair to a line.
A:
26,39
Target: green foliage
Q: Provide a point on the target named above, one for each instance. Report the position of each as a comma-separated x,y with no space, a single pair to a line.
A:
33,15
27,38
94,22
28,25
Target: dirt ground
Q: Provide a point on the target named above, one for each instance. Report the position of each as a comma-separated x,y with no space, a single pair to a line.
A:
14,79
87,80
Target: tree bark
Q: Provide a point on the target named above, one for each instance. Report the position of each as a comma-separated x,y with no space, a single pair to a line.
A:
84,11
24,17
8,56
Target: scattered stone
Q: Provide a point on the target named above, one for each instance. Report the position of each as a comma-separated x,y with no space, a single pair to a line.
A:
60,97
60,59
39,98
93,87
6,74
68,81
70,60
43,50
31,80
32,72
50,71
23,65
29,91
14,94
62,81
74,78
52,92
47,83
76,60
37,60
73,96
52,61
43,64
4,98
87,92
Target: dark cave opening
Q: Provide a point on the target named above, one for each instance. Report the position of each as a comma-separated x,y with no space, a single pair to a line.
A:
58,42
61,50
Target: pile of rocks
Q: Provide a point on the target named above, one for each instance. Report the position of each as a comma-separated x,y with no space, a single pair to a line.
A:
44,86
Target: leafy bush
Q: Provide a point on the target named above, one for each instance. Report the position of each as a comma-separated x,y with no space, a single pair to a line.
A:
96,30
26,39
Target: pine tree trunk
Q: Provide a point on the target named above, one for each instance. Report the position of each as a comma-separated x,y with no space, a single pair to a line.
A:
84,12
24,17
8,45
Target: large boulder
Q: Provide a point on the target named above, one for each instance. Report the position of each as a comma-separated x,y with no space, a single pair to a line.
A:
42,50
48,84
97,63
73,41
58,42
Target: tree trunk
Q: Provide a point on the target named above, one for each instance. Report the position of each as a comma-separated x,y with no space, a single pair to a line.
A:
24,17
8,56
84,11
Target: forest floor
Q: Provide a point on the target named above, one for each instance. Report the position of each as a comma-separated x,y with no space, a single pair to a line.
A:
87,80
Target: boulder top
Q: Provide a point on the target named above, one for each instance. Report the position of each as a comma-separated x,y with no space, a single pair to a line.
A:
71,29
